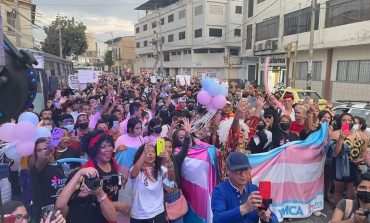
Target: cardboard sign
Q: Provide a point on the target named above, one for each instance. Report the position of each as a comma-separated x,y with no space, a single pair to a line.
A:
88,76
73,82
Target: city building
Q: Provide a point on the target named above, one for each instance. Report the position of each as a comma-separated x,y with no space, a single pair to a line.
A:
26,16
188,37
341,45
91,56
123,54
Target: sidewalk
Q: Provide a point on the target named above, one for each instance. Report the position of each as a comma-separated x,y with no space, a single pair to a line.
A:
328,212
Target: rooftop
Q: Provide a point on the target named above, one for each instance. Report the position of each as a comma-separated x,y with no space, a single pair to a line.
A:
154,4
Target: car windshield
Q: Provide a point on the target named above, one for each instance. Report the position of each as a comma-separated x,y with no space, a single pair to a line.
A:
312,95
365,114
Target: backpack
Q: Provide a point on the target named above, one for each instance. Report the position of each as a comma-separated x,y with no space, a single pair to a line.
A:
348,209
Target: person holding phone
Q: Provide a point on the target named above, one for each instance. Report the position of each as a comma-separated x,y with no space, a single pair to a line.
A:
147,176
47,177
237,200
351,145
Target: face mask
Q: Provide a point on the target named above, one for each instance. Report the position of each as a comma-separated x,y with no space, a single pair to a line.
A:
49,127
157,130
190,107
160,104
351,125
355,127
146,90
364,196
260,127
69,127
284,126
83,125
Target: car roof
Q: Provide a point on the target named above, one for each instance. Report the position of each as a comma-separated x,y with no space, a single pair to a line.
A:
296,89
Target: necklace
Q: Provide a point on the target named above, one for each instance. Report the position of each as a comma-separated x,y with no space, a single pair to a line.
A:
148,175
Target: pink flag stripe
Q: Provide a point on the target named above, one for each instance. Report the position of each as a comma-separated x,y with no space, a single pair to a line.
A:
198,202
294,191
199,154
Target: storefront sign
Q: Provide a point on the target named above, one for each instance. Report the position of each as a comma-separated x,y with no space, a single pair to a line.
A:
275,61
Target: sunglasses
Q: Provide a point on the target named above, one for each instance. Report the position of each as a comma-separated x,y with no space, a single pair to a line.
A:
268,116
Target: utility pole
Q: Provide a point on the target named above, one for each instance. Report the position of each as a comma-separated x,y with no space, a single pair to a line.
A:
17,24
60,45
296,47
160,46
227,62
312,36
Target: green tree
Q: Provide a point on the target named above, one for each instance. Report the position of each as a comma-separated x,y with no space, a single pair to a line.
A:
108,59
73,34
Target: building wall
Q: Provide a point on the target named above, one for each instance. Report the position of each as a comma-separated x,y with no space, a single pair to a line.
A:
25,8
218,14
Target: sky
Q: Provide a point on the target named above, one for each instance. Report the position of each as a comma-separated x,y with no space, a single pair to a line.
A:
100,16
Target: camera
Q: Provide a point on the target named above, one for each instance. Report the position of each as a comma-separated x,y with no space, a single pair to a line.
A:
95,183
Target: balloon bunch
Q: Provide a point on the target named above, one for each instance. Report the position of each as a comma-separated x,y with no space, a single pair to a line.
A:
20,138
213,95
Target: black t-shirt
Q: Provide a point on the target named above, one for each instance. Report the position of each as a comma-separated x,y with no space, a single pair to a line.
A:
70,153
279,137
110,186
46,185
85,209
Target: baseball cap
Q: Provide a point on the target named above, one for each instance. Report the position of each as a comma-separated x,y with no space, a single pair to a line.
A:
237,161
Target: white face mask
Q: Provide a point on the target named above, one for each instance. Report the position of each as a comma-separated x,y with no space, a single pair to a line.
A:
356,127
49,127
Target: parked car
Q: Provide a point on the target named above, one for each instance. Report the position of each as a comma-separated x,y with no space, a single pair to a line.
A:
302,94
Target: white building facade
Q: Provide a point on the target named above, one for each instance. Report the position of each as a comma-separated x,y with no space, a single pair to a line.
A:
195,35
341,58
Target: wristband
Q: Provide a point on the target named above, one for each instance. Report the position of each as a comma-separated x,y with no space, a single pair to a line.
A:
101,199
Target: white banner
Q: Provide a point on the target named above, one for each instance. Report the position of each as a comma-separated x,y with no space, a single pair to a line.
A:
73,82
88,76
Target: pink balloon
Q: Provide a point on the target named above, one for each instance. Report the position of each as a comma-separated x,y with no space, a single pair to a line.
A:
204,98
6,132
25,148
210,107
24,132
219,101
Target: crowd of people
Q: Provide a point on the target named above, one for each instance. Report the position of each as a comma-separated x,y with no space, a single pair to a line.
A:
118,114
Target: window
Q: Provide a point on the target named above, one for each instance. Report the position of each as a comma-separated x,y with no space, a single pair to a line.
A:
170,18
11,20
182,35
267,29
237,32
216,10
154,24
197,33
341,12
302,69
185,51
162,39
145,43
201,51
238,9
354,71
215,32
189,51
178,53
182,14
234,52
217,50
291,21
248,43
250,8
137,29
170,38
173,53
198,10
162,21
138,45
166,56
145,27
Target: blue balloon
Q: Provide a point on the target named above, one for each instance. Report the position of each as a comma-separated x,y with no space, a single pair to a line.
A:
224,91
206,83
72,160
214,89
29,117
42,132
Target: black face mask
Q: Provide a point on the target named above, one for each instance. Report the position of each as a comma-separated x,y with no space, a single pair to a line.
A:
284,126
157,130
364,196
83,125
351,125
260,127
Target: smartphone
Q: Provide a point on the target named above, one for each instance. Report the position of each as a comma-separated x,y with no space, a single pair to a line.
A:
45,211
345,129
55,137
264,188
115,124
316,100
160,146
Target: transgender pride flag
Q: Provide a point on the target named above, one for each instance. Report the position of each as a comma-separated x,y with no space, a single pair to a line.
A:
199,175
296,172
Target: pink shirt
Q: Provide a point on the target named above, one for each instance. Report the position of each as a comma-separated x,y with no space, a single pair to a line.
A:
93,120
153,139
129,142
123,126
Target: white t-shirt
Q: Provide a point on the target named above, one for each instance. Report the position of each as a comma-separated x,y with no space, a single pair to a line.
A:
148,201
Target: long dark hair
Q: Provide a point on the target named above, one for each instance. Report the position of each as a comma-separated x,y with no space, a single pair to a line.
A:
323,113
153,122
38,141
362,122
131,124
157,162
175,139
93,151
339,120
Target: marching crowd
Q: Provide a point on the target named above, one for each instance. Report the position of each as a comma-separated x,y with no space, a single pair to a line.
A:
118,115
